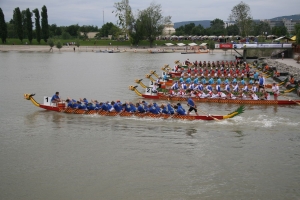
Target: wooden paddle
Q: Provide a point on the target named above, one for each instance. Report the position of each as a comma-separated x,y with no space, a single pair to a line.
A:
290,99
208,115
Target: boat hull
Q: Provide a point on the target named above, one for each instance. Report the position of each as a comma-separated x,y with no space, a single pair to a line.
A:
161,96
61,108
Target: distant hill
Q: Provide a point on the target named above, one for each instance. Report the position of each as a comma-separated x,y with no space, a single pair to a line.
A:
206,23
292,17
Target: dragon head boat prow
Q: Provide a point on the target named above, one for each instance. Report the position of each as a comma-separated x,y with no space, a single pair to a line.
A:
133,88
30,97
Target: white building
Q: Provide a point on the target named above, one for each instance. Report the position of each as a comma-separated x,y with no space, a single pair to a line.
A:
168,30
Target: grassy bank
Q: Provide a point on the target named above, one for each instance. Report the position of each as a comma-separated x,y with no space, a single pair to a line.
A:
93,42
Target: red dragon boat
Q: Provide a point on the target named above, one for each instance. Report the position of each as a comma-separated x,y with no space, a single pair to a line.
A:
61,107
162,96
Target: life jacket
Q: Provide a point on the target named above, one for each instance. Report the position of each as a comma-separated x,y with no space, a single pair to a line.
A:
292,80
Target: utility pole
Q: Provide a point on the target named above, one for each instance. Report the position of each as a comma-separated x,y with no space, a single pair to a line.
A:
103,17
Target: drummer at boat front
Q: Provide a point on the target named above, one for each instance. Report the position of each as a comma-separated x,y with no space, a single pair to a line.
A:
55,98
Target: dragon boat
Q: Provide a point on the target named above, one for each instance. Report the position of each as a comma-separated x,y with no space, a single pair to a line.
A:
163,96
61,107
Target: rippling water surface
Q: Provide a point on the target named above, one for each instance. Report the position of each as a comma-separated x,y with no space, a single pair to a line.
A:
48,155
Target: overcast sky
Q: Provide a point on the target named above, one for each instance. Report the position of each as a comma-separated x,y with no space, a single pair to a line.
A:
90,12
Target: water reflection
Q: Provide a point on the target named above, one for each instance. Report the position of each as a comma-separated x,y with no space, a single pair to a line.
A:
190,132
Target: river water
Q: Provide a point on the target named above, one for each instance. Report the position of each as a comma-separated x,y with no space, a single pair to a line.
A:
49,155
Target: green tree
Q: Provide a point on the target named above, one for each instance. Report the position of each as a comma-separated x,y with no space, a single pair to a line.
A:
217,27
211,45
179,31
262,28
232,30
58,45
240,14
109,29
45,25
73,30
84,30
37,25
24,23
18,23
77,43
136,32
196,31
50,43
279,31
296,28
65,35
153,21
188,28
124,15
298,37
3,27
29,24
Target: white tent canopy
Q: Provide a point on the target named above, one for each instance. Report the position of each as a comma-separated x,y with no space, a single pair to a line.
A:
169,44
180,44
203,44
282,38
193,44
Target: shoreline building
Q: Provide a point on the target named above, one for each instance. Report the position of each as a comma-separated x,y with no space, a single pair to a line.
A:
288,23
168,30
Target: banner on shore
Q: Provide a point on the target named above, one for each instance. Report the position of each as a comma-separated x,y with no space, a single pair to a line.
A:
244,46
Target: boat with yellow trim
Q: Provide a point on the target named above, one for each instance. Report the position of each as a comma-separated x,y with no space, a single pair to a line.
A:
61,107
163,96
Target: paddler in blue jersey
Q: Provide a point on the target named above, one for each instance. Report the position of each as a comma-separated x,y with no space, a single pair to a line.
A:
55,98
179,110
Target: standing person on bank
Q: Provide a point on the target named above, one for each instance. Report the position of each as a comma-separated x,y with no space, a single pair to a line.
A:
282,55
192,106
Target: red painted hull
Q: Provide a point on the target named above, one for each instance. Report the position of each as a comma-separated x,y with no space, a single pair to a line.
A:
161,96
126,114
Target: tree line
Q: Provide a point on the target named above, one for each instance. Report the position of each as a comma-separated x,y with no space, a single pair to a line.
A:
21,25
218,27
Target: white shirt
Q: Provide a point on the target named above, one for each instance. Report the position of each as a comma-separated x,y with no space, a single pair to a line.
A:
275,89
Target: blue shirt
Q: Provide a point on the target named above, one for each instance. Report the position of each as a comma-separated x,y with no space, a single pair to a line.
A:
188,80
165,111
55,97
180,111
196,80
132,108
153,110
83,107
170,109
141,109
117,108
191,102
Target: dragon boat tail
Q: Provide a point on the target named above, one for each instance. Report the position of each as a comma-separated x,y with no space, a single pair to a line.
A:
61,107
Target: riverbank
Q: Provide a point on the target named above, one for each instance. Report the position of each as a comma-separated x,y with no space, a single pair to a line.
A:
45,48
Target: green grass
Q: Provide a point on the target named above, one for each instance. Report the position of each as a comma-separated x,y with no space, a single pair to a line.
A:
92,42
